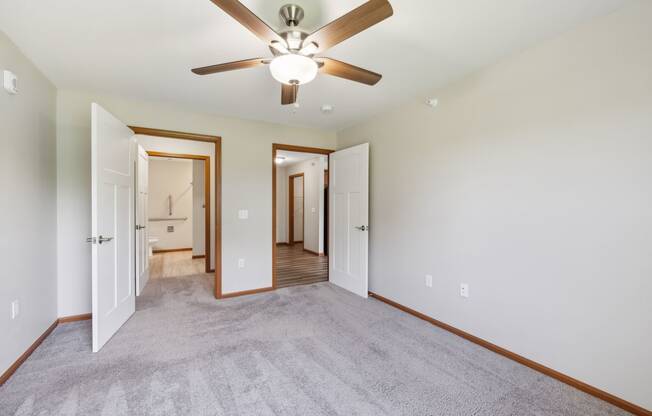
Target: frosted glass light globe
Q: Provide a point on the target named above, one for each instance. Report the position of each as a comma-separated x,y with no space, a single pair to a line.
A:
293,69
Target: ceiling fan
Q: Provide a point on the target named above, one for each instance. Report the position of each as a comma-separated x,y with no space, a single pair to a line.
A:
294,62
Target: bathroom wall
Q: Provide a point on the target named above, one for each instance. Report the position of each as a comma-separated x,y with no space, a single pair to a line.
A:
171,178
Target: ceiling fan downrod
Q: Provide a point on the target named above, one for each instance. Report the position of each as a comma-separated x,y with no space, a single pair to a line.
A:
291,14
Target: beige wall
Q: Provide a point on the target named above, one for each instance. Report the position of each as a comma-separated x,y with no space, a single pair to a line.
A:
28,206
198,209
246,184
531,182
313,222
282,204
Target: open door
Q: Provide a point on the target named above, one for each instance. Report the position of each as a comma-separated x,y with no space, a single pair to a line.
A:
349,219
112,198
142,234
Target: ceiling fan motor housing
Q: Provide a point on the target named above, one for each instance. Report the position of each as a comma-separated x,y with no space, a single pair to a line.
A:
291,14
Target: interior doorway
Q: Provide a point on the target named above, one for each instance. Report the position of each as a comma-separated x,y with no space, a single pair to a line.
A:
300,224
178,214
183,217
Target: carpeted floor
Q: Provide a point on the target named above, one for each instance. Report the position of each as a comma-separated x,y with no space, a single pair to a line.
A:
305,350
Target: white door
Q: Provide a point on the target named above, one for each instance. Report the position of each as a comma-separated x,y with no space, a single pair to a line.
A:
113,227
349,219
142,240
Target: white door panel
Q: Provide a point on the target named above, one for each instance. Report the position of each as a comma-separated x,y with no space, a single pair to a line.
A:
112,200
142,232
349,218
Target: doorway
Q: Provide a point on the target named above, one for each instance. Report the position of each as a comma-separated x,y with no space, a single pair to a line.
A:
178,214
300,226
201,192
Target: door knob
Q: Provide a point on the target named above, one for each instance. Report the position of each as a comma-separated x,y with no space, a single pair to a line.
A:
140,227
104,239
362,228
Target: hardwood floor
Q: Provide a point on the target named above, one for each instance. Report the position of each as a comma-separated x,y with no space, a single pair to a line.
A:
294,266
175,264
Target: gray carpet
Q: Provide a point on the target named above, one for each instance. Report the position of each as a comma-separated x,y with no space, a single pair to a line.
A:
306,350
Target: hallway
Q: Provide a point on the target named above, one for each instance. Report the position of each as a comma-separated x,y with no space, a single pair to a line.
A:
294,266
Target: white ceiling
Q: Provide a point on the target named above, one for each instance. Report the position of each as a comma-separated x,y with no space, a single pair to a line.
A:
292,158
145,49
170,160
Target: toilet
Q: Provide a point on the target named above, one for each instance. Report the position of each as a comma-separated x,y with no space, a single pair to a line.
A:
152,242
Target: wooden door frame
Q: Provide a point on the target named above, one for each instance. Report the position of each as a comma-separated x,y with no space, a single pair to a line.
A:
291,148
217,186
207,197
291,179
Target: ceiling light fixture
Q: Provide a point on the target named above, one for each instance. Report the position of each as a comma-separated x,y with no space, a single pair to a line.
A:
309,49
293,69
279,160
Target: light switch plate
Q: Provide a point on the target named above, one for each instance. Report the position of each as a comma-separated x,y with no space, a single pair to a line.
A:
10,82
428,280
243,214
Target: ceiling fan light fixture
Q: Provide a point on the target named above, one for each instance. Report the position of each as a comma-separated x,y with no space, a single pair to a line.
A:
279,47
293,69
309,49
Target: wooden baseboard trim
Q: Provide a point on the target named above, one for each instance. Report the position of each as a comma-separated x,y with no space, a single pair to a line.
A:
282,244
171,250
200,256
580,385
63,320
75,318
24,356
246,292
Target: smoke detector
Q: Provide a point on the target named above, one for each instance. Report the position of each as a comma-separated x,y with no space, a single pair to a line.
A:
432,102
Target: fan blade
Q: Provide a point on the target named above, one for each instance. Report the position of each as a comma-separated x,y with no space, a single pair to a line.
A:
348,71
249,20
289,94
230,66
352,23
